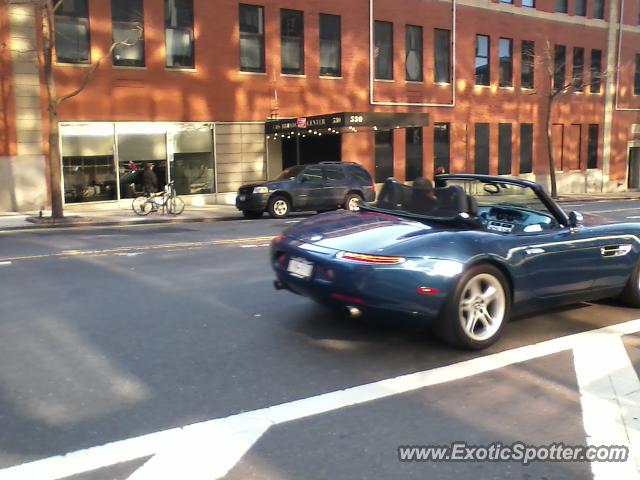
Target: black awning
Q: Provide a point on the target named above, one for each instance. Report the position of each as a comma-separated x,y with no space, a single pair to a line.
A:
348,120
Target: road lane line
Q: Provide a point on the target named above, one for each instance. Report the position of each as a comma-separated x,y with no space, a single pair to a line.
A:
142,248
162,442
609,395
634,216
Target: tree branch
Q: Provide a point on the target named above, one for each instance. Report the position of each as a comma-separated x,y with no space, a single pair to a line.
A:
89,75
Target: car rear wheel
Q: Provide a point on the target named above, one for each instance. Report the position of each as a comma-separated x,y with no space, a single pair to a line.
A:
279,207
631,293
253,214
477,310
352,202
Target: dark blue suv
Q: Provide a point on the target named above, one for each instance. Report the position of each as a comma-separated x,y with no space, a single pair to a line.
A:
320,186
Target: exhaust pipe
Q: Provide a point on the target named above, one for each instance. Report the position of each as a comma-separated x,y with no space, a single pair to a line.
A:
353,312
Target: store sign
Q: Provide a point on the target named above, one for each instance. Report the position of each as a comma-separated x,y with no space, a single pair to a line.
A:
301,123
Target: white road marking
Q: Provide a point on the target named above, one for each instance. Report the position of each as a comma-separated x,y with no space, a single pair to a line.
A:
164,442
571,205
610,399
634,216
612,210
5,263
292,221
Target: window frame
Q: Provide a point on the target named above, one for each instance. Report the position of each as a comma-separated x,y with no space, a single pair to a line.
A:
301,58
577,70
527,59
593,141
595,78
420,51
139,22
327,73
503,64
438,148
77,19
186,29
482,155
526,148
559,71
486,57
505,147
437,59
249,35
414,165
379,24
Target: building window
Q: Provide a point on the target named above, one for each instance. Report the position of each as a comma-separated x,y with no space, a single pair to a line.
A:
413,168
441,146
330,46
292,42
529,3
559,66
251,19
581,8
510,2
192,168
178,23
504,149
413,39
596,69
506,62
481,149
442,56
578,69
127,20
72,32
483,73
384,155
561,6
527,76
636,78
526,147
598,9
384,50
592,147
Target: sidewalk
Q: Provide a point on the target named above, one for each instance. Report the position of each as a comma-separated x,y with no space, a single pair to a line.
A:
83,216
102,216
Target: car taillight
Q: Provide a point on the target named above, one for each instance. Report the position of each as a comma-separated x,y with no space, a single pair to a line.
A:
371,259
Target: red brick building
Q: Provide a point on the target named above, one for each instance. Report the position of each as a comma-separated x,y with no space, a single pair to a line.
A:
218,93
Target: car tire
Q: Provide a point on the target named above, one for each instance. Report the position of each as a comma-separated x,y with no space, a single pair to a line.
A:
351,202
477,310
252,214
279,207
631,293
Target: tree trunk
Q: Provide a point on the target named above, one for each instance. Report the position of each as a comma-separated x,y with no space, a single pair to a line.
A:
55,174
552,163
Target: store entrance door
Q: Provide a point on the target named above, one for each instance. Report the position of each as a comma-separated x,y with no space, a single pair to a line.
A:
313,149
634,168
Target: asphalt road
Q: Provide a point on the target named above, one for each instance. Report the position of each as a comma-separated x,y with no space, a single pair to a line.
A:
116,333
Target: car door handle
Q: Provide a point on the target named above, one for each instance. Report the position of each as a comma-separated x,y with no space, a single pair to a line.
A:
534,251
615,250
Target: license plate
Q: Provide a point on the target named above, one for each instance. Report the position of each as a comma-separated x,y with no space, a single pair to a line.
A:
300,267
242,198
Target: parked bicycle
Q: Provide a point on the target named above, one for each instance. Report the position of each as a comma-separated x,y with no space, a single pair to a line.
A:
167,201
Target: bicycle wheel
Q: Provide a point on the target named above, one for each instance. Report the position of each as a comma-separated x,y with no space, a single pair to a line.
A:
142,205
175,206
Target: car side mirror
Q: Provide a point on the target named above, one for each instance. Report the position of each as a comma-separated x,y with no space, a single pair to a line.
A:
575,219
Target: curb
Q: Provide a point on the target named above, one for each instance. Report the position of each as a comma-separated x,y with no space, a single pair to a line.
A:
115,223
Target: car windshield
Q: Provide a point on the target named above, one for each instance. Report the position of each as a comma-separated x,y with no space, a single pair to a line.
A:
291,172
468,200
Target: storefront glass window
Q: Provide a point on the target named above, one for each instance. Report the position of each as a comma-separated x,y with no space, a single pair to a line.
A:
192,168
88,164
134,151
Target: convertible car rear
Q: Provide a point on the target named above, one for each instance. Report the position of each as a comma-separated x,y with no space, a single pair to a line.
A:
462,258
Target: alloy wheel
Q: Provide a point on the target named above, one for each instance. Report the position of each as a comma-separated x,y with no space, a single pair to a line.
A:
482,307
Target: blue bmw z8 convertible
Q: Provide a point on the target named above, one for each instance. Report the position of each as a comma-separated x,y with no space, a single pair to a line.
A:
463,256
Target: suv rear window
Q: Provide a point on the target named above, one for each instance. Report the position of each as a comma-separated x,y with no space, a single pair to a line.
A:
333,173
359,175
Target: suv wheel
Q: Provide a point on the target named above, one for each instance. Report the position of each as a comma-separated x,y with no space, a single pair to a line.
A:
279,207
352,202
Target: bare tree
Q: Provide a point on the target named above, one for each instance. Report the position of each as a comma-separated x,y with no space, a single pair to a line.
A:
43,50
555,67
